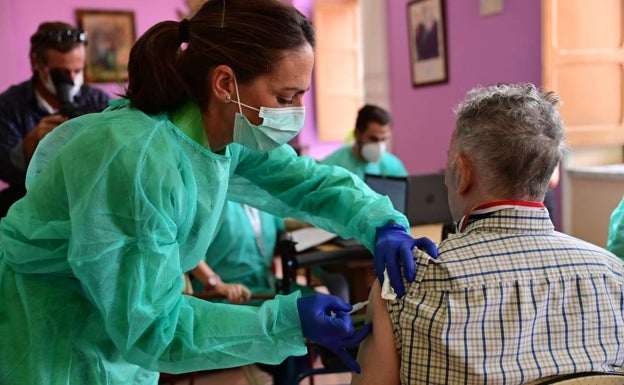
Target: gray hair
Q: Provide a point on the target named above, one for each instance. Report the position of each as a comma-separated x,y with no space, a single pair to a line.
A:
515,136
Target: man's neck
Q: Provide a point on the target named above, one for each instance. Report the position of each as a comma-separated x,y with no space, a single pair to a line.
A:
355,150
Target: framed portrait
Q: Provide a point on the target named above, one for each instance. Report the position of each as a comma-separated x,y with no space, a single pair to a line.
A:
110,36
426,22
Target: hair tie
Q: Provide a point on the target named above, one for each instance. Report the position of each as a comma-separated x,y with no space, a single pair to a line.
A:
183,31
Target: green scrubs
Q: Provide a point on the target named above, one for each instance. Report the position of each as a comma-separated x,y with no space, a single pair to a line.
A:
388,165
119,205
238,255
615,242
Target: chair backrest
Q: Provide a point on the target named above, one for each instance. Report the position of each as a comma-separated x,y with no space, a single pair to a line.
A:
585,379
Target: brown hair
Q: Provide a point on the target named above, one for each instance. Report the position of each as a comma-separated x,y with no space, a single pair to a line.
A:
247,35
55,35
371,113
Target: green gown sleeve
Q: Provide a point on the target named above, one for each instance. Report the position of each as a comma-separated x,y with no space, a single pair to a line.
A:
615,241
329,197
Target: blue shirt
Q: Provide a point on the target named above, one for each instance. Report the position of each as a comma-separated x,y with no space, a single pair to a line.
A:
510,300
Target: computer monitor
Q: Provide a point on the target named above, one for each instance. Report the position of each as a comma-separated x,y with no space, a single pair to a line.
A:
427,199
396,188
422,197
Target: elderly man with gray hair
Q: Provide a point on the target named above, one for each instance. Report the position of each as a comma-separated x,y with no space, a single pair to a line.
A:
509,300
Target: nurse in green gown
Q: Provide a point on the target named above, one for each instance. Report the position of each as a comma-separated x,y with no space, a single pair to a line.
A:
120,204
240,258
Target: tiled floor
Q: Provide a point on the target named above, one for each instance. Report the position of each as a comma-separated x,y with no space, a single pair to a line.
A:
251,376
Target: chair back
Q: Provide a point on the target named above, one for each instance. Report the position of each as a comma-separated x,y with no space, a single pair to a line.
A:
584,379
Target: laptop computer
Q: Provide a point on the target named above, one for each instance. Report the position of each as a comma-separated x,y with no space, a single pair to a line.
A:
427,200
422,197
395,188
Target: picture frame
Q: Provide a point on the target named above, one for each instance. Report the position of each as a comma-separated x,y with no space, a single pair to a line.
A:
110,36
426,21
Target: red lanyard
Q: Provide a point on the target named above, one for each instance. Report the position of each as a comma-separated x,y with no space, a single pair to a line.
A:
488,208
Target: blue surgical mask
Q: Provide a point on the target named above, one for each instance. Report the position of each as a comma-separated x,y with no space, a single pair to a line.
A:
279,126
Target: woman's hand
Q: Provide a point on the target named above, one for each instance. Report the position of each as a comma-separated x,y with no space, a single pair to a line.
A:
393,250
234,292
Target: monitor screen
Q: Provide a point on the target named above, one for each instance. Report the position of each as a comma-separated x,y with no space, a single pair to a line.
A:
427,199
394,188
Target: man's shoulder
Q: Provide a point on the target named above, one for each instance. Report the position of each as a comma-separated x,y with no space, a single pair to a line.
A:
393,165
91,90
17,93
340,152
94,97
390,157
343,157
541,251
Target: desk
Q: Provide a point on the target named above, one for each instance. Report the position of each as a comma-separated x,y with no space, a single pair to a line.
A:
433,232
356,263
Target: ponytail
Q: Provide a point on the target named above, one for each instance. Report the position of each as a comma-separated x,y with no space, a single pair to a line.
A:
154,84
249,36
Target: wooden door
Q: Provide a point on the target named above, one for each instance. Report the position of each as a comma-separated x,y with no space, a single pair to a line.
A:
339,82
583,60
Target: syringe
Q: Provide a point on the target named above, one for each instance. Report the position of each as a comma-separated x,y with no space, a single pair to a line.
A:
356,307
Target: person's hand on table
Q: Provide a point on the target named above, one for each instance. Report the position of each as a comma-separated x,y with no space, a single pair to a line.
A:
234,292
393,249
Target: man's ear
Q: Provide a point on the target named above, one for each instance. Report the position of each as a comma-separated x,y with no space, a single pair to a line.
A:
465,173
35,62
357,135
222,83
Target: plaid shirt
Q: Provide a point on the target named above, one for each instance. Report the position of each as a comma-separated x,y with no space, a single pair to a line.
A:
508,301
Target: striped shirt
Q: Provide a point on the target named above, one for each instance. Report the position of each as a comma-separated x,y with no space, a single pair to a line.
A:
510,300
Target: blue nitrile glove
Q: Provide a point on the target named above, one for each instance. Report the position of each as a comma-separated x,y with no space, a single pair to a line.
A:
394,243
324,320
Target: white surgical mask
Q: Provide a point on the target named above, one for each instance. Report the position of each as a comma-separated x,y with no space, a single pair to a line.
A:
78,82
373,151
279,125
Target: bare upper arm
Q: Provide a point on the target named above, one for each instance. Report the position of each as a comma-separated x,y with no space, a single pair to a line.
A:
377,354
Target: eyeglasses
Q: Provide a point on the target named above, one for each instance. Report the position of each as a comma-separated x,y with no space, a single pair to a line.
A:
68,35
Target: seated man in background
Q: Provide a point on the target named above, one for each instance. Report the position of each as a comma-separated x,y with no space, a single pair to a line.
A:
509,299
239,261
615,242
30,110
368,155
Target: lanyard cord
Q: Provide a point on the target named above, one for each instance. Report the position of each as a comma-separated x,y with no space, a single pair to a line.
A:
256,224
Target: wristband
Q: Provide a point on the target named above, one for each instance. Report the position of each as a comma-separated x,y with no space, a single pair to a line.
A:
213,281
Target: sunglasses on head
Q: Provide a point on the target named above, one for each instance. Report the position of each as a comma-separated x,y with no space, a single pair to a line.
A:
67,35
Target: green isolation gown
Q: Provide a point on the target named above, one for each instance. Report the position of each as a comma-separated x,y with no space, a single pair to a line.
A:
243,248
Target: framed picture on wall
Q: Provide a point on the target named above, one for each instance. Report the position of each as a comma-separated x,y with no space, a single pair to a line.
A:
110,35
426,23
